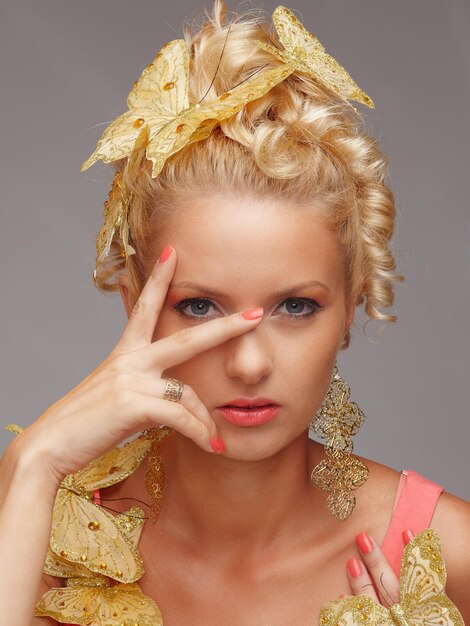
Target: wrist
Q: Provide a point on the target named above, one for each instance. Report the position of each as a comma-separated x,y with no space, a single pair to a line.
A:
23,469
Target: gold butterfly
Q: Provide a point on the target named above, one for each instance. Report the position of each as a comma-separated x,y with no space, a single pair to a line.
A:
83,532
117,605
423,601
160,102
94,599
307,53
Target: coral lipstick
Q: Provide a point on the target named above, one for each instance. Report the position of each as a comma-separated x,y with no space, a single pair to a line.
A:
249,411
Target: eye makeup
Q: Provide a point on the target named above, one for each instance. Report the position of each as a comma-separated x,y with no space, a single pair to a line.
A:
300,308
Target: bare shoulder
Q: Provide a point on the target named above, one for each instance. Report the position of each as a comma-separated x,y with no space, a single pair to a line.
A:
451,520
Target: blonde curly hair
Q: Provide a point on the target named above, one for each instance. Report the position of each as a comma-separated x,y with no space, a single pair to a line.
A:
298,142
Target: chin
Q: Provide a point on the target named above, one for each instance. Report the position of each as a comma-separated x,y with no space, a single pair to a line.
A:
249,445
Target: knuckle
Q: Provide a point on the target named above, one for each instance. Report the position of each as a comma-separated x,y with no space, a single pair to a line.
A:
124,399
140,309
183,336
121,380
375,561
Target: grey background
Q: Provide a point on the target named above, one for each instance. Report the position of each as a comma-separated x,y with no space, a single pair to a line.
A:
66,70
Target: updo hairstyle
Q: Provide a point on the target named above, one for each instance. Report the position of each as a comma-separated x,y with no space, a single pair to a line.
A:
298,142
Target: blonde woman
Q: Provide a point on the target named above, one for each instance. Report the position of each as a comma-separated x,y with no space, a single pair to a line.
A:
245,258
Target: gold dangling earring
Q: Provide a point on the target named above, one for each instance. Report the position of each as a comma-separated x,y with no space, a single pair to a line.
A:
337,420
155,474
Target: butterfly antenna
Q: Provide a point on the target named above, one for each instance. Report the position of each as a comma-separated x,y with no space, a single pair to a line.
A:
389,599
218,64
108,508
127,498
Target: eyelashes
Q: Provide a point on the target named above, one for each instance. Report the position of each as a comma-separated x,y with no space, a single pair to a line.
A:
303,308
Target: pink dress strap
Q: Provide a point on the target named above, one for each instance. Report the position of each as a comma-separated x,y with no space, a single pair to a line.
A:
415,503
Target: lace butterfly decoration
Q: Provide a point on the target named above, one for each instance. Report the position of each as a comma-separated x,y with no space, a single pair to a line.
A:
159,105
95,599
308,55
423,601
85,533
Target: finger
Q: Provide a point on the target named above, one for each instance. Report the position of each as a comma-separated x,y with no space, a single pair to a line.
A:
382,573
155,387
360,580
407,536
141,325
154,412
186,343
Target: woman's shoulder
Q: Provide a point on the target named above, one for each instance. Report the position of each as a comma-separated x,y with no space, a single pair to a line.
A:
450,519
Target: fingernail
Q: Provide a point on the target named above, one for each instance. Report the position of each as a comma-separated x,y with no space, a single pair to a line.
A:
214,445
253,314
217,444
341,596
408,536
165,253
221,444
354,567
364,542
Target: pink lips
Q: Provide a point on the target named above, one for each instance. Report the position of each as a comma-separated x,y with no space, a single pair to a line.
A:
249,411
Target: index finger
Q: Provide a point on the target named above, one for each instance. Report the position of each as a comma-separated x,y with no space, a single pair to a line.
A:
188,342
141,325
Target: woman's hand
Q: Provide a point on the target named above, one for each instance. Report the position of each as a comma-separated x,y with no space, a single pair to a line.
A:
374,576
124,394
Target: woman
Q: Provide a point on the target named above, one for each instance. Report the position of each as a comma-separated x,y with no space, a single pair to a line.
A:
240,255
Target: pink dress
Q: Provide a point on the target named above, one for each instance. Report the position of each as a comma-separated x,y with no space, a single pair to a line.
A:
415,503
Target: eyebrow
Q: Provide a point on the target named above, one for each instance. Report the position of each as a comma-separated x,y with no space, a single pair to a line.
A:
218,294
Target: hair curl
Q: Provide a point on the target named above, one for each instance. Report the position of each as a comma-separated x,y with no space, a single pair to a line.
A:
298,141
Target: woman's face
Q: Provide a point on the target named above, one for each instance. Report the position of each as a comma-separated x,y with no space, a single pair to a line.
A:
239,253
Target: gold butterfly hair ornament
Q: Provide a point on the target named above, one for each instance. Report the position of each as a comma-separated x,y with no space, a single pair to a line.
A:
161,120
306,53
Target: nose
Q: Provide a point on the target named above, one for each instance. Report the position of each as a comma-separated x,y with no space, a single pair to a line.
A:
248,358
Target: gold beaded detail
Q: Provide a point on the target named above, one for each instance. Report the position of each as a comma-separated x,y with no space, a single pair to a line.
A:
139,121
169,85
155,474
93,525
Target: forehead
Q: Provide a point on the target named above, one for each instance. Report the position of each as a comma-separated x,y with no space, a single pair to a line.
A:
244,239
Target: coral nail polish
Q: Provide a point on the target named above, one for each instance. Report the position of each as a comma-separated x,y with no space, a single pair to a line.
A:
354,567
253,314
221,444
165,253
214,444
364,542
408,536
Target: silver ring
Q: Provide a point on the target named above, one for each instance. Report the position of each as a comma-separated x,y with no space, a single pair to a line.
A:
173,390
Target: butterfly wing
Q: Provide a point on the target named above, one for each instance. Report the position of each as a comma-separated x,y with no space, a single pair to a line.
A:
354,610
197,122
85,533
157,97
114,466
163,85
422,583
119,605
310,56
56,565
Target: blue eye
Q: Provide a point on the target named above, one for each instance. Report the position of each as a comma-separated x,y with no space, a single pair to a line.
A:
198,307
300,308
